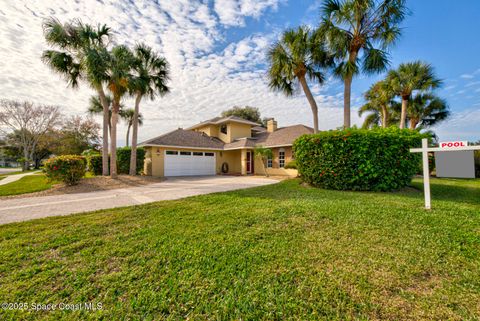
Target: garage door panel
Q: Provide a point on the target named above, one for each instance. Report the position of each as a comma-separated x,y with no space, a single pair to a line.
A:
189,165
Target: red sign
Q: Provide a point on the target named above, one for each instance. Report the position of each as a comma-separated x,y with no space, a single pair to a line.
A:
453,144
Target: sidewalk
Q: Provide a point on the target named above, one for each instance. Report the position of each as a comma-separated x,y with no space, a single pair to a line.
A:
12,178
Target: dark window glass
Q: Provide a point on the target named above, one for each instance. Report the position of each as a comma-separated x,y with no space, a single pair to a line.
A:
223,129
197,154
186,153
172,152
209,154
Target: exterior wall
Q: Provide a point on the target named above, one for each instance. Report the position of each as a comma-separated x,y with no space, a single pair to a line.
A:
155,160
276,170
234,131
210,130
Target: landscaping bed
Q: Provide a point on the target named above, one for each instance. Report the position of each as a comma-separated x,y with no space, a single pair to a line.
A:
283,251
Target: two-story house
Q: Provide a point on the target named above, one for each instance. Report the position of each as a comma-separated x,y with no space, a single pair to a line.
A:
222,145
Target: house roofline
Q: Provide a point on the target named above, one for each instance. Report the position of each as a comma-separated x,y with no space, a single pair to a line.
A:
186,147
223,120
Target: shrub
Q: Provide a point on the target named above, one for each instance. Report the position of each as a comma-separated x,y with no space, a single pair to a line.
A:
67,168
94,163
123,159
291,165
358,159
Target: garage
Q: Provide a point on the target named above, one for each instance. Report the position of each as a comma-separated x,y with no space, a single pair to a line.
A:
189,163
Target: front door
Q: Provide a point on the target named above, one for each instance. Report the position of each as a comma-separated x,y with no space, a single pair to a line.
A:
249,162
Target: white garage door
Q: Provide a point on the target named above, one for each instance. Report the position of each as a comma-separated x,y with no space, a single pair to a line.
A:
183,163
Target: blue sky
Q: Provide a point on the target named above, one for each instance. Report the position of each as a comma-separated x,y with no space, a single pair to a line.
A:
217,51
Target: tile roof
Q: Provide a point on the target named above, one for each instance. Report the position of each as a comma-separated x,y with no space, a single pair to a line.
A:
240,143
185,138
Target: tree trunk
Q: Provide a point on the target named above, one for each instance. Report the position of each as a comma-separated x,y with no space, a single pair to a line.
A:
133,154
312,102
128,133
265,167
106,129
113,143
384,117
413,123
403,114
346,102
26,162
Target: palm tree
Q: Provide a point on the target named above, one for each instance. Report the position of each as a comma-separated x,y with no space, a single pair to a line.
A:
151,77
95,108
294,58
81,55
264,154
120,63
426,110
380,104
409,77
360,32
128,116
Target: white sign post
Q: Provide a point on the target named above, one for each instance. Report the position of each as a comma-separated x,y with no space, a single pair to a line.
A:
444,147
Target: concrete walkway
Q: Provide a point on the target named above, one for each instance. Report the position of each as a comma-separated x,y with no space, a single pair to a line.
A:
23,209
13,178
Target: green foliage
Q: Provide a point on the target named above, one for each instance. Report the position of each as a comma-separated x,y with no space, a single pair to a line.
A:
123,159
247,112
291,165
28,184
358,159
94,164
67,168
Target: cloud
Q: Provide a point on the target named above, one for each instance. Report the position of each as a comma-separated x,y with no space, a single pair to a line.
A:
234,12
460,126
467,76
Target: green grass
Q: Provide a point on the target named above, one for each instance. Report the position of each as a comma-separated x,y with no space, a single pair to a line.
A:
269,253
27,184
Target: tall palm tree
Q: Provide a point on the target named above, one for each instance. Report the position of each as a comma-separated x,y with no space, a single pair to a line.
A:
128,115
426,110
151,77
380,104
81,54
409,77
360,32
95,108
120,64
296,57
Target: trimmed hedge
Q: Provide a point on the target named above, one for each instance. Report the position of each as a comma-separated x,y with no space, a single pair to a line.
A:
358,159
123,160
67,168
291,165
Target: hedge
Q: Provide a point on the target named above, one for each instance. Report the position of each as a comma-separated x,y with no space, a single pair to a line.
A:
291,165
67,168
358,159
123,160
95,164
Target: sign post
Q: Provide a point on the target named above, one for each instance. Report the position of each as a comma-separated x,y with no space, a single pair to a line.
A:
444,147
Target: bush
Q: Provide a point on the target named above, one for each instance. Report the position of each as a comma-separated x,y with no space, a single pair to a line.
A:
358,159
67,168
94,163
123,160
291,165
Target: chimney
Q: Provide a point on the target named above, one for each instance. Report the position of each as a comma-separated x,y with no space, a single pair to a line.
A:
271,125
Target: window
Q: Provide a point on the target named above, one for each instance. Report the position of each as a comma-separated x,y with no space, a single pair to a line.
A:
223,129
210,154
185,153
269,162
281,158
171,152
197,154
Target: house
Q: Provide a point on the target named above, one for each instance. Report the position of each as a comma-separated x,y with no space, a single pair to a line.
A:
222,145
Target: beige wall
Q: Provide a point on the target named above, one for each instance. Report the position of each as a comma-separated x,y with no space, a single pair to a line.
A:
154,160
210,130
276,170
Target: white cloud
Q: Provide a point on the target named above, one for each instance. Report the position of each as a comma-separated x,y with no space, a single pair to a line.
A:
460,126
233,12
467,76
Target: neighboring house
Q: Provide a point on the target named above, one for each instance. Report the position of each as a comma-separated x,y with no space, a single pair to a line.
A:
222,145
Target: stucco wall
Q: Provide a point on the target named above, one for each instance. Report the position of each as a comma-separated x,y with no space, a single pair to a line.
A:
276,170
155,159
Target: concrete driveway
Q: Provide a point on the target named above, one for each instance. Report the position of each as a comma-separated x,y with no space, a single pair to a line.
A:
23,209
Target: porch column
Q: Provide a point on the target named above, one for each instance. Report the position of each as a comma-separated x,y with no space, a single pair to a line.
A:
243,158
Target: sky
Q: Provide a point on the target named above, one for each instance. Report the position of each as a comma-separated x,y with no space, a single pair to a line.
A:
216,50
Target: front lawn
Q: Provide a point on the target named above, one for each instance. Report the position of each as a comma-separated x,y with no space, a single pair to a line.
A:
278,252
28,184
